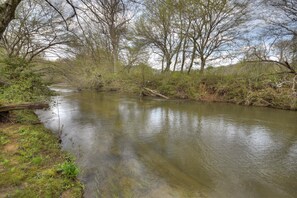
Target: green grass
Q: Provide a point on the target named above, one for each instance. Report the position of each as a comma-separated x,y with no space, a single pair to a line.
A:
32,163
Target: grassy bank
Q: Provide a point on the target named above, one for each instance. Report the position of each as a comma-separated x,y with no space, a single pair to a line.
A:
245,84
241,89
32,163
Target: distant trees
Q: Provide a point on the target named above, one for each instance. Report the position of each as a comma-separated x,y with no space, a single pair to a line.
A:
110,19
156,29
280,34
197,29
181,34
215,27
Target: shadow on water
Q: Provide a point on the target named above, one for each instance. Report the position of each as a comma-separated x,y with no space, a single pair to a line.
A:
128,147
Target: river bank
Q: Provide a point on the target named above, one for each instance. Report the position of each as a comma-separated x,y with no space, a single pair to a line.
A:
248,84
31,161
266,91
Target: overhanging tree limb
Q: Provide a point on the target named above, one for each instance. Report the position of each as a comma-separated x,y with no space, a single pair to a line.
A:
7,10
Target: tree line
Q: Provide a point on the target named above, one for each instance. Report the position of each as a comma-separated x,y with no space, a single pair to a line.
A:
175,35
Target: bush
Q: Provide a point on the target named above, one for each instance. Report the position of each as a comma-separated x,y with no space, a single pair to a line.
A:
24,84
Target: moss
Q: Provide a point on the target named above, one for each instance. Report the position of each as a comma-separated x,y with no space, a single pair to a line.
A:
32,168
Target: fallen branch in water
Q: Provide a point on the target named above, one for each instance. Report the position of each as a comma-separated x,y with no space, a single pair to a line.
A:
150,92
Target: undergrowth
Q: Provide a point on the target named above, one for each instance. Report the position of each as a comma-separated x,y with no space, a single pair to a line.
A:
22,84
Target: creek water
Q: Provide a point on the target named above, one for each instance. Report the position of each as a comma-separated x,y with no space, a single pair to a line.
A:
131,147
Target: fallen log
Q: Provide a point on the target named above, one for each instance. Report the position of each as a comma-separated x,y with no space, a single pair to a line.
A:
7,108
147,91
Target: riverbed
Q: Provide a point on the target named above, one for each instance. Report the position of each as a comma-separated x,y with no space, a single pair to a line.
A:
131,147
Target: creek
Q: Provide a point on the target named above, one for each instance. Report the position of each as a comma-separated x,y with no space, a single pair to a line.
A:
131,147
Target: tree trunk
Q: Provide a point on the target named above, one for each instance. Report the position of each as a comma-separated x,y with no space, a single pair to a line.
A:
185,43
177,54
149,92
175,62
168,63
7,12
23,106
115,56
193,57
203,62
114,62
163,63
183,56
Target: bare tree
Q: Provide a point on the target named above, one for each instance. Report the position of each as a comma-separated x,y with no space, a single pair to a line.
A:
111,19
134,53
8,8
36,29
182,27
214,28
156,29
192,29
280,32
286,22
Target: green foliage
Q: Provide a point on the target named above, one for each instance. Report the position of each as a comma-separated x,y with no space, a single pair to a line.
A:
69,169
24,84
90,69
178,85
13,68
141,74
26,89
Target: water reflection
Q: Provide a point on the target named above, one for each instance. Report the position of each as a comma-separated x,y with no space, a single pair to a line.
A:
153,148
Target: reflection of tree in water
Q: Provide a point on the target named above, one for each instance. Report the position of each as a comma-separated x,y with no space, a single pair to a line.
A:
132,147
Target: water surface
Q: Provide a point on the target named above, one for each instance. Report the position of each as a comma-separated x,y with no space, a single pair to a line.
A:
127,147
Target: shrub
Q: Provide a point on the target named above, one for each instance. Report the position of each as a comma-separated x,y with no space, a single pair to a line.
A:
24,84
